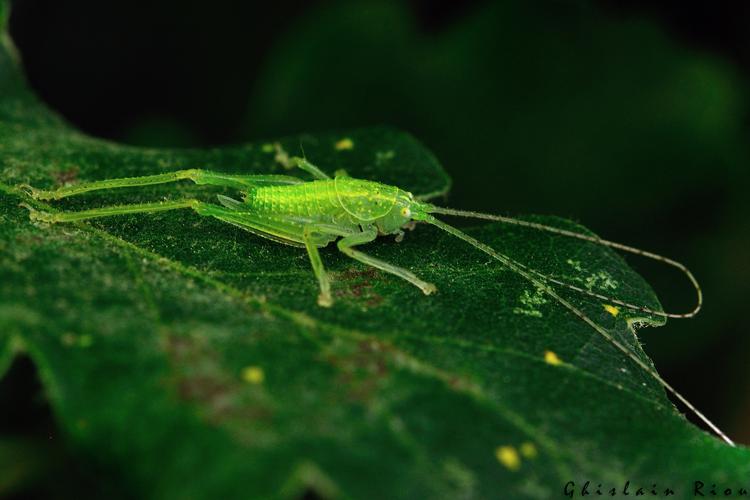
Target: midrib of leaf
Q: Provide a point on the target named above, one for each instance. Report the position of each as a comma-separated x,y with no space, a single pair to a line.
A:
535,360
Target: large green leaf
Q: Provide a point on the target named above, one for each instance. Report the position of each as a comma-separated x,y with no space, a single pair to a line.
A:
191,356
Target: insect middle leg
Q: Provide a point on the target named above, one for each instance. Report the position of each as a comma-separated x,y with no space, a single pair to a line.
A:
319,235
324,299
369,234
292,231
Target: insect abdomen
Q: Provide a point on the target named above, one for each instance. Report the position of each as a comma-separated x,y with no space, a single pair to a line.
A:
310,199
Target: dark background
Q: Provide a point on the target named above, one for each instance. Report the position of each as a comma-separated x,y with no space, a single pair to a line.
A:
628,116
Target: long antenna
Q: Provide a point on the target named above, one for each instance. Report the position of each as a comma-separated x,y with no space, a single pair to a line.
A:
523,271
598,241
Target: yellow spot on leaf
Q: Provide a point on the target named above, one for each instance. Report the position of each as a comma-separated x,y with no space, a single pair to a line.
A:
614,311
528,450
508,456
253,375
552,358
344,144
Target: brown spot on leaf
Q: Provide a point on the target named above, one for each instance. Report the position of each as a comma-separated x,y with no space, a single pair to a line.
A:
363,368
200,379
64,177
360,286
352,273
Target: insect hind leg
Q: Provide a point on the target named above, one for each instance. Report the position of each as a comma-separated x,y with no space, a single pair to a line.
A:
346,244
95,213
196,175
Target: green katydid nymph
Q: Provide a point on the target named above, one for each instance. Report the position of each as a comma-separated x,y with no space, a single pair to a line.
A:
351,212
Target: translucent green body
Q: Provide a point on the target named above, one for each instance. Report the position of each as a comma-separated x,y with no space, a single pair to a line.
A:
284,211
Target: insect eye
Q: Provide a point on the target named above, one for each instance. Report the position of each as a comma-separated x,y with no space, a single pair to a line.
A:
406,212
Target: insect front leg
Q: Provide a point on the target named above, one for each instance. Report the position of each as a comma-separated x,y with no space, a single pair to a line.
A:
301,163
308,167
347,243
